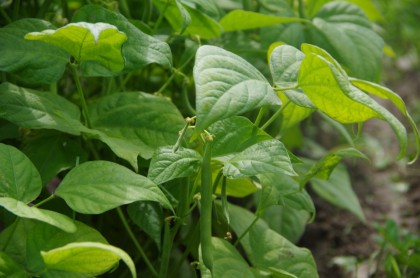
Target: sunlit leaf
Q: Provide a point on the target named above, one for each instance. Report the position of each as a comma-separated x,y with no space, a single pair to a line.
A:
19,179
97,186
99,42
91,258
138,51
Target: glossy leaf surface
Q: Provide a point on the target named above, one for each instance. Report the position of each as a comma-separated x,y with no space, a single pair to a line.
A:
97,186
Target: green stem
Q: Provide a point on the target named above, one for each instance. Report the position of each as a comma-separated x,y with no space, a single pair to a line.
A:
247,230
301,9
260,115
16,9
206,207
136,242
275,115
167,247
85,110
160,18
186,100
49,198
5,15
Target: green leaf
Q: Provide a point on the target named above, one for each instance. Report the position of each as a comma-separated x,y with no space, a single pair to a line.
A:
387,94
285,61
167,165
235,134
10,268
19,178
26,238
33,61
140,48
349,31
323,168
34,109
51,217
298,108
91,258
54,152
227,85
141,120
149,217
338,191
243,20
333,94
267,249
268,156
98,42
287,221
97,186
280,189
227,262
185,19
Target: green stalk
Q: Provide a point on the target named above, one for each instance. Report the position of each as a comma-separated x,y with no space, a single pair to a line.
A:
49,198
136,242
275,115
247,230
260,115
85,110
160,18
167,247
301,9
5,15
206,205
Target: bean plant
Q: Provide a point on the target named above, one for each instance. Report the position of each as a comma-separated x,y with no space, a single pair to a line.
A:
152,138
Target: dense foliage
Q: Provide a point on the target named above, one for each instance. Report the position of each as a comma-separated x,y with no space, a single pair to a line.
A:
166,134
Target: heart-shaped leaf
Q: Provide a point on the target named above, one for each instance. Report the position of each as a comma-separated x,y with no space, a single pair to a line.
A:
19,179
33,61
167,165
97,186
51,217
98,42
227,85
